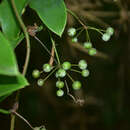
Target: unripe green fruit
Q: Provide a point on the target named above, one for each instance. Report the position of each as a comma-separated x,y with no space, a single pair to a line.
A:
59,84
85,73
76,85
66,65
87,45
40,82
35,73
106,37
82,64
47,67
110,31
92,51
61,73
60,93
71,32
75,39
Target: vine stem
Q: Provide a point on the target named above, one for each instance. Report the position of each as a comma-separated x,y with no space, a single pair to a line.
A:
53,42
27,55
74,15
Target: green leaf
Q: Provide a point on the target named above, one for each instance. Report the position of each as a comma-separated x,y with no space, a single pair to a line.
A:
8,65
4,111
9,84
9,24
52,13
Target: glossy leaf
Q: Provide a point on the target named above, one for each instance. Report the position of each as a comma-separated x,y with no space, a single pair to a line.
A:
8,65
9,24
52,13
9,84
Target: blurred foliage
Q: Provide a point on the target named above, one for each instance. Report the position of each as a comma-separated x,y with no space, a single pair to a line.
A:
106,91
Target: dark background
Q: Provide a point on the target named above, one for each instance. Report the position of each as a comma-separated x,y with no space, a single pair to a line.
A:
105,92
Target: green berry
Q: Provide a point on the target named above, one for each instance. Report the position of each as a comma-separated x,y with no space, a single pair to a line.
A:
110,31
106,37
85,73
87,45
82,64
40,82
66,65
61,73
75,39
76,85
59,84
39,128
60,93
71,32
47,67
92,51
35,73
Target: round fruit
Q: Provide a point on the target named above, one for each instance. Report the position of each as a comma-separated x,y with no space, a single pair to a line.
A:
82,64
61,73
85,73
60,93
47,67
106,37
87,45
75,39
110,31
76,85
35,73
71,32
66,65
40,82
59,84
92,51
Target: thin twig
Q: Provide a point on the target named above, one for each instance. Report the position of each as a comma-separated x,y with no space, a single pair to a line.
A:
52,56
27,54
21,117
73,14
45,48
68,92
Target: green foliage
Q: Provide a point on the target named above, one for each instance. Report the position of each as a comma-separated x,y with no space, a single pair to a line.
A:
52,13
10,78
9,84
9,24
8,64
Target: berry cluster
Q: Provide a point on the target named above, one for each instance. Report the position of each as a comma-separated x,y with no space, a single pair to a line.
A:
61,72
106,35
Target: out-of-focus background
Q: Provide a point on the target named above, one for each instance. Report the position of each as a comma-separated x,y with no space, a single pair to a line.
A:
105,92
